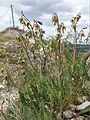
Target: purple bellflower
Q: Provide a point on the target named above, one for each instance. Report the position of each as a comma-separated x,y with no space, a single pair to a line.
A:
39,22
43,31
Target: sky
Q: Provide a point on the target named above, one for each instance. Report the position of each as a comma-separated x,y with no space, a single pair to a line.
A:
42,10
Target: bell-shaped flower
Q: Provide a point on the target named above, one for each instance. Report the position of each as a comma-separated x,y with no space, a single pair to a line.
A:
39,22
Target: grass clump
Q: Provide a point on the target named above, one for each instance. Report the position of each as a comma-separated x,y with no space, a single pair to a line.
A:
53,75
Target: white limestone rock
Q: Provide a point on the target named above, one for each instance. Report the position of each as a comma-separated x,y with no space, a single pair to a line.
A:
68,114
83,105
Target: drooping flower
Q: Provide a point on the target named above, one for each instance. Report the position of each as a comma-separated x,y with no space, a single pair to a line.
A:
43,31
39,22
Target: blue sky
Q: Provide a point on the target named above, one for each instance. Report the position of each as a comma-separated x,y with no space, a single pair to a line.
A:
43,10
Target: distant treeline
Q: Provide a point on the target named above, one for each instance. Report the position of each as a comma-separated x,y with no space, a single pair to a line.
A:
80,47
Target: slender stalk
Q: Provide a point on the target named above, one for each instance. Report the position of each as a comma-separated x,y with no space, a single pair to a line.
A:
59,54
25,49
31,27
74,48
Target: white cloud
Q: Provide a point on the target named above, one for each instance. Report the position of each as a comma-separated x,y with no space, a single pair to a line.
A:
43,10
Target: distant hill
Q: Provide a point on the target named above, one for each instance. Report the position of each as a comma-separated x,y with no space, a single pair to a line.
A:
9,33
83,47
80,47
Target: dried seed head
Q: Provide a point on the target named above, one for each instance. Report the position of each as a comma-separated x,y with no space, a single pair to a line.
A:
55,20
75,20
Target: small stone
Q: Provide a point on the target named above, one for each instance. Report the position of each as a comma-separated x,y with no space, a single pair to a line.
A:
80,118
72,107
88,118
82,99
2,87
68,114
73,119
59,117
83,105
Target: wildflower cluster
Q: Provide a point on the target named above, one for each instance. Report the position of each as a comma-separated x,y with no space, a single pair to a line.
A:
48,81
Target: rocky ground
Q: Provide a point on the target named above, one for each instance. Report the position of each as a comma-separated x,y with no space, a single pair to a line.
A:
7,95
81,111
